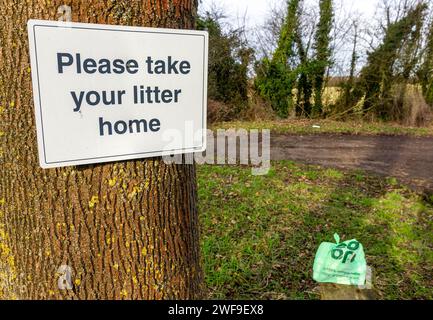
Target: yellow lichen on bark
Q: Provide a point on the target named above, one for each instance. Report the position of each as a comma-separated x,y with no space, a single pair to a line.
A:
127,230
8,272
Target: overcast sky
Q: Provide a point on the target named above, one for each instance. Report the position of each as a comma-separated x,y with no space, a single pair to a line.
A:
256,9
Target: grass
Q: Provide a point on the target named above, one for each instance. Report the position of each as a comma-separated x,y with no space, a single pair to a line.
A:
260,233
327,126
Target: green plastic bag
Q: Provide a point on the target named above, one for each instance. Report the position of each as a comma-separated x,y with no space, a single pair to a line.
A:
342,263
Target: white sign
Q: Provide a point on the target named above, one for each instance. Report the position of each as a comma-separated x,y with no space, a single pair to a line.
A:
107,93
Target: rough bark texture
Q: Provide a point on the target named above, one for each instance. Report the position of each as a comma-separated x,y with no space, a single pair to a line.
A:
127,229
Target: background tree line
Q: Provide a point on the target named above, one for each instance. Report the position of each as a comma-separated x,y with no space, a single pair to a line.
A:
312,60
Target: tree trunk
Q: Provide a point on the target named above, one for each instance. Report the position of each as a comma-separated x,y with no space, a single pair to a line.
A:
125,230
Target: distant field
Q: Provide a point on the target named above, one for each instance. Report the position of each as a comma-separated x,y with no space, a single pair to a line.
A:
327,126
260,233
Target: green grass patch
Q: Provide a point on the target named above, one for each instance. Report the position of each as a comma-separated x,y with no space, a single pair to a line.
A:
260,233
327,126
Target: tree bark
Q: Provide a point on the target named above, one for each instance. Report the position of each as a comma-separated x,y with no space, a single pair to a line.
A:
127,229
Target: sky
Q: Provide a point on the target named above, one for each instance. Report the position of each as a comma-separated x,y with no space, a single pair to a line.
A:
256,10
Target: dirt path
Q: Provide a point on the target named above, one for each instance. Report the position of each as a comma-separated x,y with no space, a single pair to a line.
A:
409,159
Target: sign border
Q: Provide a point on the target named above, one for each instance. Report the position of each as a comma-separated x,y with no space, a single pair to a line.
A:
32,24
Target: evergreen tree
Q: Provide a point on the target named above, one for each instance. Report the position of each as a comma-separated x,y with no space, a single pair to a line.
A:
323,53
229,58
387,63
426,70
276,78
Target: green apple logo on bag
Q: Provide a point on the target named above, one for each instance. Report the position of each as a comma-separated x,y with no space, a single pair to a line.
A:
347,255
